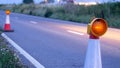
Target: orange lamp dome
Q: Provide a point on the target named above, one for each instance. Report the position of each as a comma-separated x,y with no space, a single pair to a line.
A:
7,12
98,27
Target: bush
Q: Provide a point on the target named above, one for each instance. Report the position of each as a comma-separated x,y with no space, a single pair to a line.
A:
39,12
48,12
114,22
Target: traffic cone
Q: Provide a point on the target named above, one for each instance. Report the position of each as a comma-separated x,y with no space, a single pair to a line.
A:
93,56
96,28
7,27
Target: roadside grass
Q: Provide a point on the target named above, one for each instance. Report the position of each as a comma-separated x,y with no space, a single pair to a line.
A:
8,57
70,12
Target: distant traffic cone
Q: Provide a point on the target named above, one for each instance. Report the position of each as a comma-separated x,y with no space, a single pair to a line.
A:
93,56
7,27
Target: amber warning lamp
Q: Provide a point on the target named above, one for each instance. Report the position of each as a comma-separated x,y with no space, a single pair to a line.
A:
7,12
97,27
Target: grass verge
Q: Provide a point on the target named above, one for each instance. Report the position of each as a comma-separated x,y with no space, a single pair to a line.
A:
8,57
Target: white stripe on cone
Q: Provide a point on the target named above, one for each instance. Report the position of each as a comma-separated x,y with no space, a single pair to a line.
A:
93,56
7,19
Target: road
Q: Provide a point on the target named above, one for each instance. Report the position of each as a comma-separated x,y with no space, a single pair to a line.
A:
60,44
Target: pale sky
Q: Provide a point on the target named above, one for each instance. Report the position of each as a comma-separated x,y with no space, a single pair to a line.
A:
37,1
15,1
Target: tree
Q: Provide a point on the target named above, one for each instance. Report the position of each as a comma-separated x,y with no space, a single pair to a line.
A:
28,1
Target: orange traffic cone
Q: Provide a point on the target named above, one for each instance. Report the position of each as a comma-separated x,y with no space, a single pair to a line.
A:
96,28
7,27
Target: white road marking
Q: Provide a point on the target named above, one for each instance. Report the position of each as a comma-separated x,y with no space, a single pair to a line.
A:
33,22
23,52
75,32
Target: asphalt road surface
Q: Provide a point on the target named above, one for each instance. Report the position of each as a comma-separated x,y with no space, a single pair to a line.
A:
60,44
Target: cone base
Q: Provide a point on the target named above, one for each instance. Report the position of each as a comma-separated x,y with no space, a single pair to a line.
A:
7,27
8,30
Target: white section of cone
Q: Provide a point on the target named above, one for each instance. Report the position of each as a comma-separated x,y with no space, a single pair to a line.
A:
93,56
7,19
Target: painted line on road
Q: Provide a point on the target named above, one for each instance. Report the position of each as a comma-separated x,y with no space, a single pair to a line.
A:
23,52
74,32
33,22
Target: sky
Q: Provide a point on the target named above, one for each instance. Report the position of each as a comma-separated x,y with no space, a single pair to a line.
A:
37,1
15,1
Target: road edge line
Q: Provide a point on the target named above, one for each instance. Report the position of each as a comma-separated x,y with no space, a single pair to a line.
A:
23,52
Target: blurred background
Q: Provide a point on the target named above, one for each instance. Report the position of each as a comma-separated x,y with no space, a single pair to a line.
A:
81,11
38,1
66,48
